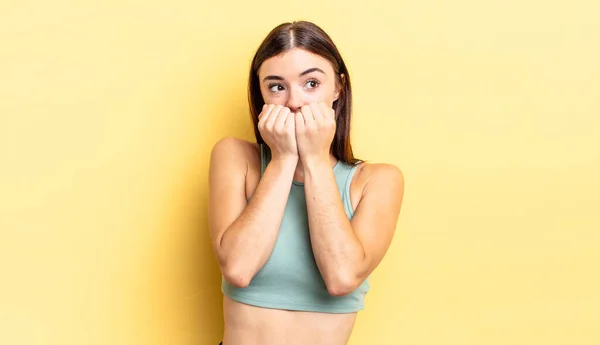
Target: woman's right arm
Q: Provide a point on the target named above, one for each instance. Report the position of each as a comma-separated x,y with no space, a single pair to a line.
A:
244,233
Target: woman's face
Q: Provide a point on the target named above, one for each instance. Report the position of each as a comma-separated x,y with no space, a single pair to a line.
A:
297,77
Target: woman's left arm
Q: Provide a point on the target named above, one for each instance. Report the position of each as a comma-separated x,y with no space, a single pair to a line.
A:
346,252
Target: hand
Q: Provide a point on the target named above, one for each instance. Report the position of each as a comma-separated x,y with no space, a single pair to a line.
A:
277,128
315,129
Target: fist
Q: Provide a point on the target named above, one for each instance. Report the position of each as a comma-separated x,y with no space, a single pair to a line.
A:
277,127
315,130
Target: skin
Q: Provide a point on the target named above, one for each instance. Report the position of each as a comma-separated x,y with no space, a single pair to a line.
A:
298,124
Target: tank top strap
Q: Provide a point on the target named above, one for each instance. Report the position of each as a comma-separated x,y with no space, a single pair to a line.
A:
343,176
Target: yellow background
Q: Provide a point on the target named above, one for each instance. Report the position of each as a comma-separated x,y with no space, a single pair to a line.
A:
108,111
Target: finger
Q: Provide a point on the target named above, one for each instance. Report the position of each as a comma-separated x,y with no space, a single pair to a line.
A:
273,116
316,111
309,120
282,117
290,121
326,110
262,111
307,111
290,117
264,115
299,122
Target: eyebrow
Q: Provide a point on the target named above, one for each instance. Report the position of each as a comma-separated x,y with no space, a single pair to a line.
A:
310,70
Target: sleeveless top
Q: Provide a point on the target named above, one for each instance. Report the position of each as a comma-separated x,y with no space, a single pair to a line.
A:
290,279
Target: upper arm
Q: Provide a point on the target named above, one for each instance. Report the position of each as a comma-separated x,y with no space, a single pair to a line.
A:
227,186
377,212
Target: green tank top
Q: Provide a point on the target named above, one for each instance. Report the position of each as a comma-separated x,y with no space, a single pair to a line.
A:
290,279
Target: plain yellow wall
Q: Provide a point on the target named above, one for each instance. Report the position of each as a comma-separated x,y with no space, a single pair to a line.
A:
108,111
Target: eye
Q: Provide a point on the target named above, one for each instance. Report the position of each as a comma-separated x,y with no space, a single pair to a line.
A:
276,87
312,84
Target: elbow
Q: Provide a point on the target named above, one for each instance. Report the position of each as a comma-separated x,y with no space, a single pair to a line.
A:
236,277
237,282
344,281
341,286
234,273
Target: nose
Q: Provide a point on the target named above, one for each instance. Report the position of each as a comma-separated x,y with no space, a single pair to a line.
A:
295,100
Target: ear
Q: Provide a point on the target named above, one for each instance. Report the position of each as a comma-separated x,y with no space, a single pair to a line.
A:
341,82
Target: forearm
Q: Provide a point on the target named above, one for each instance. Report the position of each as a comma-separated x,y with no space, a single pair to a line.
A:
337,250
247,244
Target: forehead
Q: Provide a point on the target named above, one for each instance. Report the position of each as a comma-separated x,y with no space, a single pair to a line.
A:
293,62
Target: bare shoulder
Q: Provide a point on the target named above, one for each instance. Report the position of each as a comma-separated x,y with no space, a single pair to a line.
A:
235,152
377,180
235,159
234,147
375,174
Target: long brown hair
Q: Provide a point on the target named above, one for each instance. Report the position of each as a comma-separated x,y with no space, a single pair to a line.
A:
308,36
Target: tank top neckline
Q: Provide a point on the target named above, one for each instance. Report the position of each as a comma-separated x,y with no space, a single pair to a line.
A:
265,157
335,168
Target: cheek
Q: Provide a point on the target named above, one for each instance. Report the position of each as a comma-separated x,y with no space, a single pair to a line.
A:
329,99
322,95
270,98
331,96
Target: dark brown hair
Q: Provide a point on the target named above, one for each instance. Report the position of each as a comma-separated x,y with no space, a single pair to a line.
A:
310,37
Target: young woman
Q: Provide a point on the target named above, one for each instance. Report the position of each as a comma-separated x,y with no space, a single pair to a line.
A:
297,222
